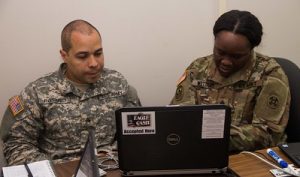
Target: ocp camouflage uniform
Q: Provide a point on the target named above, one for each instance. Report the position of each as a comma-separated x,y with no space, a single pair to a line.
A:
57,115
258,95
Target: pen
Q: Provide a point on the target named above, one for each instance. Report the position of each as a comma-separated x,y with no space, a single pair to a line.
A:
28,170
276,157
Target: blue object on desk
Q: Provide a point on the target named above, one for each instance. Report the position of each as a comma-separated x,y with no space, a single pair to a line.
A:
280,161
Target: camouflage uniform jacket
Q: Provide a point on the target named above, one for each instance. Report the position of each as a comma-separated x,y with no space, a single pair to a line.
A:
56,116
258,95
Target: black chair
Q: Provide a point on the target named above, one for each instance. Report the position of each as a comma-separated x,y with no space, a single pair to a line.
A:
293,73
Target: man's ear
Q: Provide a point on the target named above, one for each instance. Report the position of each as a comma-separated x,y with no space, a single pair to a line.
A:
63,55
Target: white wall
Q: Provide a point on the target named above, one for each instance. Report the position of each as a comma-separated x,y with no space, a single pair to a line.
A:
281,22
149,41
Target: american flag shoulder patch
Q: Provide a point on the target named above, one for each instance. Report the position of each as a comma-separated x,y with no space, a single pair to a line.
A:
15,105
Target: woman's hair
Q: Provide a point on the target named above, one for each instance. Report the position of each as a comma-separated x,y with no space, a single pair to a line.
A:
240,22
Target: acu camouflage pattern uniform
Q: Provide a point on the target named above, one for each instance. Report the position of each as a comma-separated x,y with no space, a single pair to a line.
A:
258,95
56,116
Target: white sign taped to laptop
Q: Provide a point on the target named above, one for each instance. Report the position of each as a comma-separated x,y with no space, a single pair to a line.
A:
135,123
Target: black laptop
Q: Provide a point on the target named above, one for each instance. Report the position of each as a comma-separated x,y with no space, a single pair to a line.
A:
292,150
173,139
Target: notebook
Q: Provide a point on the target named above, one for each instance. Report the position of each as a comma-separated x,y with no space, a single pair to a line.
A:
173,139
40,168
88,166
292,151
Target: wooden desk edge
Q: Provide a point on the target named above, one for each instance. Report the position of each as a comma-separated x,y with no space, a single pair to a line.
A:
242,164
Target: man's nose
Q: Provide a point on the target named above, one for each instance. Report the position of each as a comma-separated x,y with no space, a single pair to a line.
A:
92,62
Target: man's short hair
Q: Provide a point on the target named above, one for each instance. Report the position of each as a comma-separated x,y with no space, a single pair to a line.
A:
81,26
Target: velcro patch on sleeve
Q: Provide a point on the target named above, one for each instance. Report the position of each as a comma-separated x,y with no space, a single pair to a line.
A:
182,78
15,105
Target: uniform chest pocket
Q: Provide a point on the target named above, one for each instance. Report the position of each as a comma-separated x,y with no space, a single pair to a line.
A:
112,101
241,101
242,106
207,96
216,96
60,107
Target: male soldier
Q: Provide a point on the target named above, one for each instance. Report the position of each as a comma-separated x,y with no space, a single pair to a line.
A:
51,116
253,85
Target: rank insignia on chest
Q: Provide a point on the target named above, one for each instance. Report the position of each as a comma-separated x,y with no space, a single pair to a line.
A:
200,84
15,105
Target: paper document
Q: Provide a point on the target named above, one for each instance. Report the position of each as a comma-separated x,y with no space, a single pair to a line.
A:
38,169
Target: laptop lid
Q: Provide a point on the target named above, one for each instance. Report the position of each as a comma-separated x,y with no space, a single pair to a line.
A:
292,150
173,139
88,166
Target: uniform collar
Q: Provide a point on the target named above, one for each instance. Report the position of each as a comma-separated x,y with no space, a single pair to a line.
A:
65,87
241,75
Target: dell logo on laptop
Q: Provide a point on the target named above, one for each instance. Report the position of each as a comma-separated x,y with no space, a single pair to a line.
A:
173,139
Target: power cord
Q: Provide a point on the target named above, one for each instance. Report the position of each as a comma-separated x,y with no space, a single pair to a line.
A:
108,161
291,170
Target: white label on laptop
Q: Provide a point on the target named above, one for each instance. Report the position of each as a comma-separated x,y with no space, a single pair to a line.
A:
135,123
213,123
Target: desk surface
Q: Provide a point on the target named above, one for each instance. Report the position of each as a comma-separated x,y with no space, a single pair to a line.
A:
247,165
243,164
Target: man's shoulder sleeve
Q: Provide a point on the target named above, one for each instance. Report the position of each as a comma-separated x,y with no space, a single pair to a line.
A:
6,123
132,97
114,81
15,111
110,73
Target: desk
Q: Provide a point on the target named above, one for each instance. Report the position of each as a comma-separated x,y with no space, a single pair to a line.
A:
245,165
67,170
